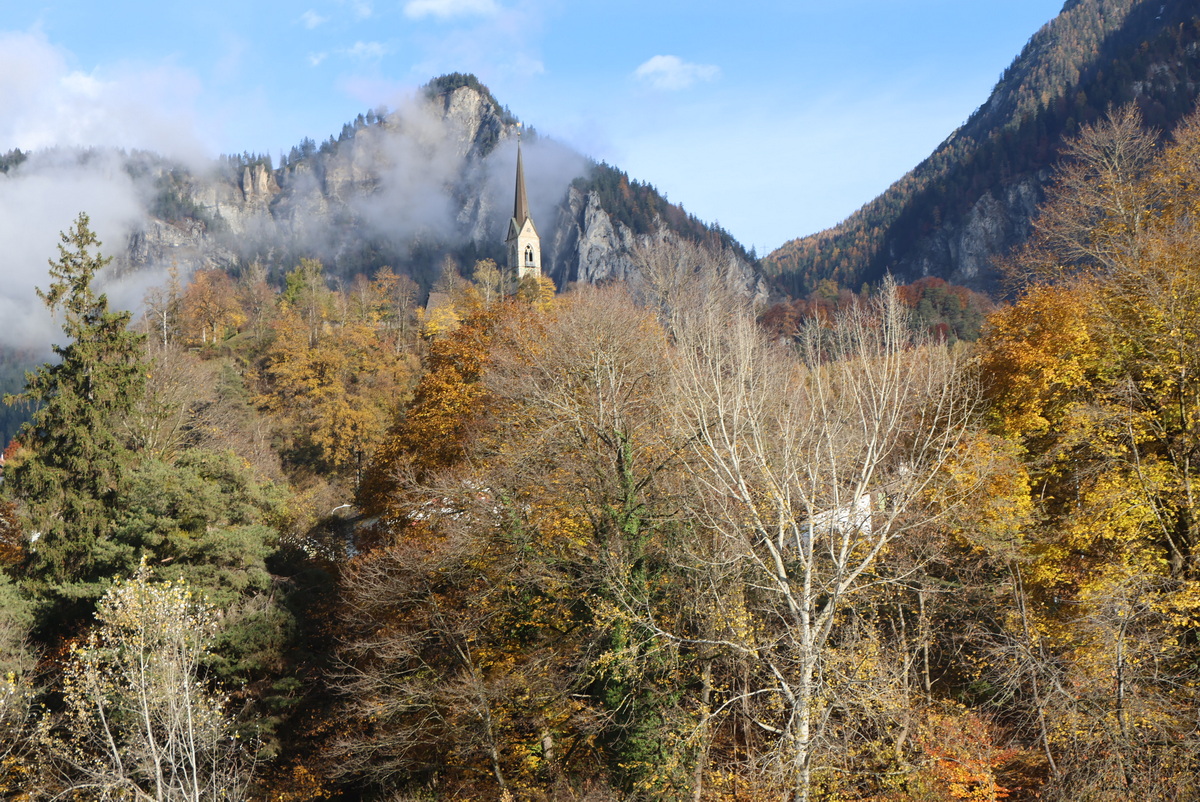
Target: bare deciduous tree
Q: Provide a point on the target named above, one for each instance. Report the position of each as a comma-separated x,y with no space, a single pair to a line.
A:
1099,203
142,724
806,466
163,420
162,308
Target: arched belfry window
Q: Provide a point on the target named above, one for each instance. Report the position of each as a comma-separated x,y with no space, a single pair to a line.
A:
529,254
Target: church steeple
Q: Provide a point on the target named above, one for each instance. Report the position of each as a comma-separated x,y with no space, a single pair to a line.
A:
524,245
521,203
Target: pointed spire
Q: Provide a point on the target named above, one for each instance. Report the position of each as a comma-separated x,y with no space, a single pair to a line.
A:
521,204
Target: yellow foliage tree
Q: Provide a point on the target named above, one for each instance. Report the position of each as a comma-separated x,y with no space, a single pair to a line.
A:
1098,378
336,393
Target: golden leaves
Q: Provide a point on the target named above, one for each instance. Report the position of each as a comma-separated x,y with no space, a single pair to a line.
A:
1038,357
337,391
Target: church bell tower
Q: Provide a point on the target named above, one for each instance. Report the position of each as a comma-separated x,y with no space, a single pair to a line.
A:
524,245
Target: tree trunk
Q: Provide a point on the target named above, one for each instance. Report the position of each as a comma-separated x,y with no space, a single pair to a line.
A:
705,736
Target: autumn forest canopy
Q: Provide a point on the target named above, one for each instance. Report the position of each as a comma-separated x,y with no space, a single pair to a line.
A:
310,540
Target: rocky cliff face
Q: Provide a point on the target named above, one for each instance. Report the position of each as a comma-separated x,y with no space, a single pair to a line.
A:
587,246
476,122
185,244
431,180
965,252
592,247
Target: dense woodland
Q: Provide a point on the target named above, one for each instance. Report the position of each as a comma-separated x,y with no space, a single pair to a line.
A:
1094,55
311,541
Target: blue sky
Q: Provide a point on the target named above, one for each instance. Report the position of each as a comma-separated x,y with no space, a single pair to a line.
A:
775,119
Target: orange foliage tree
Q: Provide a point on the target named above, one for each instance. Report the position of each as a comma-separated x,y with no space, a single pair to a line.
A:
334,387
210,307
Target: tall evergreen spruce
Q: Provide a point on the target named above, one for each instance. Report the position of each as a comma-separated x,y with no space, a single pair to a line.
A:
69,483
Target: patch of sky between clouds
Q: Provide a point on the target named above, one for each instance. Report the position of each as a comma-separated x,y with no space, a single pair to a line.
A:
361,9
312,20
367,51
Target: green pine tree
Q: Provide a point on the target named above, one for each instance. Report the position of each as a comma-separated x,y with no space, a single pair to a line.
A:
68,481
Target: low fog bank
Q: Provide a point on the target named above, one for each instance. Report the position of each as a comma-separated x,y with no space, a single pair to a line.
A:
414,186
39,200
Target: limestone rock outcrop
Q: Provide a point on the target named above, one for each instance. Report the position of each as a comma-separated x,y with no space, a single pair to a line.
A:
966,253
405,190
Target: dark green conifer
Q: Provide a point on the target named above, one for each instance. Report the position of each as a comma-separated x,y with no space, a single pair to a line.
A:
69,477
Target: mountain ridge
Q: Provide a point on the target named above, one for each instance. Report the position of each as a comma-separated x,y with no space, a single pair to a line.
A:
973,198
409,188
418,189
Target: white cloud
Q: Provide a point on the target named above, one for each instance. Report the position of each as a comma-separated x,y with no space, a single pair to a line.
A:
315,59
39,199
46,103
672,73
84,87
311,19
367,51
444,9
362,8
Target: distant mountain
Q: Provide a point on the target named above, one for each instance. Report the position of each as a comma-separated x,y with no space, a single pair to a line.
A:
412,188
974,197
407,188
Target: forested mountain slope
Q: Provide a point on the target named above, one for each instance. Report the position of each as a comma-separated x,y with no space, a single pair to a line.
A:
416,189
406,188
973,198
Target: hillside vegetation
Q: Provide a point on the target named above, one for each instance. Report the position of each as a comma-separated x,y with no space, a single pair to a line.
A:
1097,54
